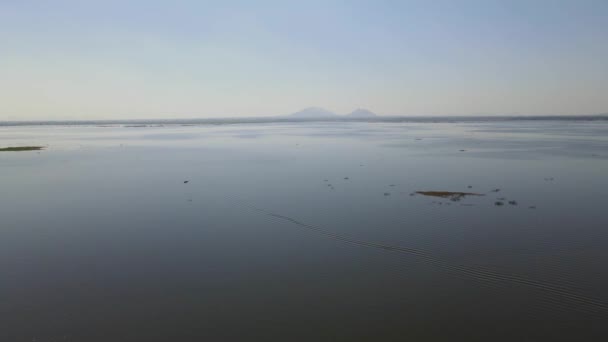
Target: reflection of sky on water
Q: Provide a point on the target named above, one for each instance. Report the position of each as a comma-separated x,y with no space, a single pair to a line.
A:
99,232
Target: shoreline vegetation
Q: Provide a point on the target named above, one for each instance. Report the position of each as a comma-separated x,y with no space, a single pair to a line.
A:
21,148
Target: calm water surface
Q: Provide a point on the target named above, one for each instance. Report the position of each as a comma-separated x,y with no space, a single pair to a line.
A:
305,232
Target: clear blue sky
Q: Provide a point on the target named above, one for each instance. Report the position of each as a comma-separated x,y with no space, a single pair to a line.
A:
166,59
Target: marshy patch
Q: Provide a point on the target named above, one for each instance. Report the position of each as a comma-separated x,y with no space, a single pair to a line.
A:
21,148
451,195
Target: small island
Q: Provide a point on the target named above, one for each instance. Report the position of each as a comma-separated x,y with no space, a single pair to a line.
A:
21,148
454,196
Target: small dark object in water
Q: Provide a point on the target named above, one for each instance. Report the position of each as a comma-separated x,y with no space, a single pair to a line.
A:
462,150
495,190
549,179
413,194
325,180
532,207
387,194
454,196
346,178
498,203
469,186
186,182
391,185
513,202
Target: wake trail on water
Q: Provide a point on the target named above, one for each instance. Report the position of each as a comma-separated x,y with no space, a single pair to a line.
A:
476,272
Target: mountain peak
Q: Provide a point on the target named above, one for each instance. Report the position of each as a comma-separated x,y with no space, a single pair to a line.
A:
361,113
314,112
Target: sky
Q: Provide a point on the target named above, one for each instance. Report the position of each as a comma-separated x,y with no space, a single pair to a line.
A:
78,59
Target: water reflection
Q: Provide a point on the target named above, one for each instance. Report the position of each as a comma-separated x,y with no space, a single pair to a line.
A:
101,239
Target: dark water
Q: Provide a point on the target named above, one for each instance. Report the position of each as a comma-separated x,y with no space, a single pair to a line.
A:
101,239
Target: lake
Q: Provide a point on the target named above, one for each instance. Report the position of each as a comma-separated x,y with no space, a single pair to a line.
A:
305,231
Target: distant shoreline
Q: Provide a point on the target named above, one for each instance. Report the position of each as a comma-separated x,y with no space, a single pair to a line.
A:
244,120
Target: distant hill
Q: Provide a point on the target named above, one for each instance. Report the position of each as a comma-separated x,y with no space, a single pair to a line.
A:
361,113
321,113
314,113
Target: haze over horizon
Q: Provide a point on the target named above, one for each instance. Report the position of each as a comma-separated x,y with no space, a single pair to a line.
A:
71,60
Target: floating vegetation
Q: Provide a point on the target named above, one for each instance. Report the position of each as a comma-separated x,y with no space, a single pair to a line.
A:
21,148
457,196
451,195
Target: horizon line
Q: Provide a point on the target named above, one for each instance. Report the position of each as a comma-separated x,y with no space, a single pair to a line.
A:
338,117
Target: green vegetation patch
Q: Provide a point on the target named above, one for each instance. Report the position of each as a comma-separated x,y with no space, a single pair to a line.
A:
21,148
454,196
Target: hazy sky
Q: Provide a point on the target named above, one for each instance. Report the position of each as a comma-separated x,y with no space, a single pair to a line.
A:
167,59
